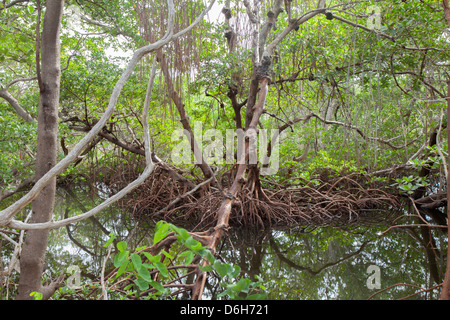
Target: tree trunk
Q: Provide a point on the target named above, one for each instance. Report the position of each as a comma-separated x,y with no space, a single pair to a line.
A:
445,294
224,211
33,252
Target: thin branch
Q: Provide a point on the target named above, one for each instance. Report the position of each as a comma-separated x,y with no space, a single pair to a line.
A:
414,225
16,105
8,239
22,186
323,267
9,5
393,286
421,291
423,81
364,28
173,94
7,86
293,25
361,133
20,80
102,276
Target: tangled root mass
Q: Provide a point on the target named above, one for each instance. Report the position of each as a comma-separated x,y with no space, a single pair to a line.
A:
336,200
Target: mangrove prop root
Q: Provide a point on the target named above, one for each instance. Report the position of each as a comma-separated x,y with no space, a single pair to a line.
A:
344,200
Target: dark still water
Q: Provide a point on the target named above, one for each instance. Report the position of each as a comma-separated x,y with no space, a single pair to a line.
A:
366,261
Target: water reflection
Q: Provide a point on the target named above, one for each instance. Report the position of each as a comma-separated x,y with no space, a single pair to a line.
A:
302,262
332,263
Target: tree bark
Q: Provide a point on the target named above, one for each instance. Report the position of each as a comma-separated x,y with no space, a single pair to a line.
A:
224,210
445,294
33,252
446,11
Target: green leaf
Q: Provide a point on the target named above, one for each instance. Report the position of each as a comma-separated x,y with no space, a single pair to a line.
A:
120,258
122,269
208,255
206,268
223,293
149,256
137,262
142,284
193,244
168,255
241,286
152,258
189,256
221,268
183,233
112,236
162,268
122,246
262,287
148,266
128,287
144,273
256,296
162,230
236,272
157,286
140,248
36,295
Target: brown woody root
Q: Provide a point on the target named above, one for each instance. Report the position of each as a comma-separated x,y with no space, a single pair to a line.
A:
340,201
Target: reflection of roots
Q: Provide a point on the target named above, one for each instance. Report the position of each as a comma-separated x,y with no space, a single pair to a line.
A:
340,201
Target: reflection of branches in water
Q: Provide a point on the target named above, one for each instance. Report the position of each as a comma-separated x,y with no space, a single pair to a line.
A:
426,239
423,290
420,217
292,264
73,197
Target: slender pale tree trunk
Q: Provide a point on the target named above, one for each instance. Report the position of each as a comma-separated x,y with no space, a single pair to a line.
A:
33,251
445,293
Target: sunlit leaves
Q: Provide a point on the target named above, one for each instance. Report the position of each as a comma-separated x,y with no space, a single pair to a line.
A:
112,236
162,229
